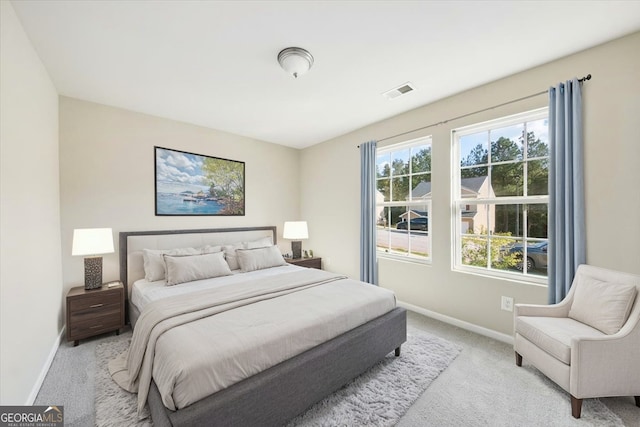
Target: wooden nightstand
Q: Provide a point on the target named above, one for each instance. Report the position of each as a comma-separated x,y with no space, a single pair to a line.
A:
306,262
94,312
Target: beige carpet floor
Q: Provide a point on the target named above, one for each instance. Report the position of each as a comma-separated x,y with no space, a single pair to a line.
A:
482,386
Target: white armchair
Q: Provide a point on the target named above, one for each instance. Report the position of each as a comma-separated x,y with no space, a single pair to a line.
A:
589,343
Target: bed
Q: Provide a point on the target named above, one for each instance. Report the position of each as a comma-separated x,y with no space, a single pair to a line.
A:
276,393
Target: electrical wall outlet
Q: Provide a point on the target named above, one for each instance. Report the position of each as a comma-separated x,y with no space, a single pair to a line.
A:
507,303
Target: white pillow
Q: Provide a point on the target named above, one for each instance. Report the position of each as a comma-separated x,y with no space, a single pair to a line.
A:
604,306
230,254
260,243
210,249
154,268
257,259
181,269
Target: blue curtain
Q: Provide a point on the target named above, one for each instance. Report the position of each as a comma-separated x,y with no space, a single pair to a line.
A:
566,188
368,261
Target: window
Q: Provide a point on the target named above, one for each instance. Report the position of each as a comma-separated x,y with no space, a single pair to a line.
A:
403,200
501,198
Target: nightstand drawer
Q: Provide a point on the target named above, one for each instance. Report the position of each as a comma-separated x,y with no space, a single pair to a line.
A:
92,302
95,325
92,312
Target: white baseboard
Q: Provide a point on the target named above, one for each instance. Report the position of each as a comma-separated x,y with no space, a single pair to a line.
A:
45,369
459,323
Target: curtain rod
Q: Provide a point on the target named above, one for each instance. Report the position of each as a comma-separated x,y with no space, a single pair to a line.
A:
587,77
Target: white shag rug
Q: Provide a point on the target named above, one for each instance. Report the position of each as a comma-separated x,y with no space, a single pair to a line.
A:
115,407
379,397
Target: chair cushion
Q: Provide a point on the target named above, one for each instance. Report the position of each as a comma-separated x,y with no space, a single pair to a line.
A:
553,334
602,305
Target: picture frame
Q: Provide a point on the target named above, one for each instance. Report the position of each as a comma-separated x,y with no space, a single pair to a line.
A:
189,184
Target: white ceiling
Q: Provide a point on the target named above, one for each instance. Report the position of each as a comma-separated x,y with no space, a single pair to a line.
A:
214,63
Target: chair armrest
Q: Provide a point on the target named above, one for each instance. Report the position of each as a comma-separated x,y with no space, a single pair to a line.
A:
607,365
555,310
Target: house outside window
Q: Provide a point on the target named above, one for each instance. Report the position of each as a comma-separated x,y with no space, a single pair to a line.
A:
403,201
500,197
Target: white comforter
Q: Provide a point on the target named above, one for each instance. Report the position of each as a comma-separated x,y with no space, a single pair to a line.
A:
233,332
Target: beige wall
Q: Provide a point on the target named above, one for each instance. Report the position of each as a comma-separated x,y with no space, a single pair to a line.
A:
107,176
30,270
330,200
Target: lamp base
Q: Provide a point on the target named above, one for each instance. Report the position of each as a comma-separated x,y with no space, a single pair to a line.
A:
93,272
296,249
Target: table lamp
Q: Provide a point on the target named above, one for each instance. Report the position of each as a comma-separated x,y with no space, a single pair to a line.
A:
92,242
296,231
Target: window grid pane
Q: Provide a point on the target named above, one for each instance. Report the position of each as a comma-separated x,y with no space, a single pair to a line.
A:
403,202
502,201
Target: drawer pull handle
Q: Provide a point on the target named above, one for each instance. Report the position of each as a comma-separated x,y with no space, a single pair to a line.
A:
95,327
96,305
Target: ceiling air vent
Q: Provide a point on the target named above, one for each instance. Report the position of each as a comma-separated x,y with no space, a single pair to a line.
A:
398,91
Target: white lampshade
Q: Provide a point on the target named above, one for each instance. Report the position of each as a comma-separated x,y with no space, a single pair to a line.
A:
92,241
295,61
295,230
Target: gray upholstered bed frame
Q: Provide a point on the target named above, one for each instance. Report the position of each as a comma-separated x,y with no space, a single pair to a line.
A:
133,242
278,394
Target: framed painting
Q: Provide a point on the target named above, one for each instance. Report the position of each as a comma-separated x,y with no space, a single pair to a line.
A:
195,184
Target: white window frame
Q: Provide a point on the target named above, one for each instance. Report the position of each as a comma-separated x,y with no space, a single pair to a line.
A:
422,203
457,200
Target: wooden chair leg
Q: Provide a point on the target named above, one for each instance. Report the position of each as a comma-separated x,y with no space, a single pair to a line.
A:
576,407
637,401
518,359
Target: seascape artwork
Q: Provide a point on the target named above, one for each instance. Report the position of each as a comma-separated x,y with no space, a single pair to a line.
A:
195,184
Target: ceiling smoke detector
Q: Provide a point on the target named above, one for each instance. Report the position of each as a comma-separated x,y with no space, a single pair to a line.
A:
295,60
399,91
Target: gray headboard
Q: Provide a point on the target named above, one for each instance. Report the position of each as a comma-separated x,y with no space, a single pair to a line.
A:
133,242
